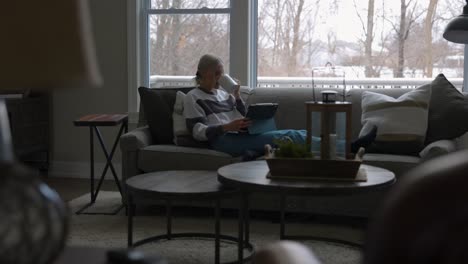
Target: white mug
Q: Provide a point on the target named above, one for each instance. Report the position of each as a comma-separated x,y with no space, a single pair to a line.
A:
227,83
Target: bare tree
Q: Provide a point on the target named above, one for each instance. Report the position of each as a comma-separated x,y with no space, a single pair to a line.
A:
296,44
369,36
272,32
405,38
286,30
175,37
373,60
428,23
408,16
158,38
331,43
177,41
402,35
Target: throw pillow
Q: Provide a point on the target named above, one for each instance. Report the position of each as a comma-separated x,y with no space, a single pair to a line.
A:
448,111
157,105
401,123
179,124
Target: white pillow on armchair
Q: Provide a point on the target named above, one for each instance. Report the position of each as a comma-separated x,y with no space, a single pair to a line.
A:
438,148
179,124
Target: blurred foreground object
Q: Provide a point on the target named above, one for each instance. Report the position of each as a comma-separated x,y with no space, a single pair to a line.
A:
457,29
45,45
423,219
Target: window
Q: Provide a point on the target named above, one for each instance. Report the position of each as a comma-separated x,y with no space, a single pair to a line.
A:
363,37
181,31
281,42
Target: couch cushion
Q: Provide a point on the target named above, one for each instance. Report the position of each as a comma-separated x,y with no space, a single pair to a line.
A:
171,157
448,111
157,105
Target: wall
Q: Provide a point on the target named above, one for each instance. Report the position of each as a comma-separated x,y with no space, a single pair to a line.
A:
70,144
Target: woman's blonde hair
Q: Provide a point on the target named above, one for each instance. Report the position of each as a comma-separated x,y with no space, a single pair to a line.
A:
206,61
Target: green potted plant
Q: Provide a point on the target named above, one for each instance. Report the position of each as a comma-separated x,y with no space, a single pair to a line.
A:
288,149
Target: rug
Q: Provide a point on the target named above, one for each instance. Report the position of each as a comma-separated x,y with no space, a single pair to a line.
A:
110,231
106,203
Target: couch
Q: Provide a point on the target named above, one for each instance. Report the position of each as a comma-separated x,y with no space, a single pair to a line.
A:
142,153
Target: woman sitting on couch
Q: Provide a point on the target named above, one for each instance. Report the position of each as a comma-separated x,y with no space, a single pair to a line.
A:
211,114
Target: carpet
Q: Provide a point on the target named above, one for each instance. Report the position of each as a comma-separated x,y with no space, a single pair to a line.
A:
106,203
110,231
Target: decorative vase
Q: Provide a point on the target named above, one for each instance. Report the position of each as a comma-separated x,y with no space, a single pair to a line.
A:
33,222
33,218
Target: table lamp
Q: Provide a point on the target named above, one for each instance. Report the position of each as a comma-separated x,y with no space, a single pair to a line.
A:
45,45
457,31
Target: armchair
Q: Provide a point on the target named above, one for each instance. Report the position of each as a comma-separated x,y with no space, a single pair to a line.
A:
424,219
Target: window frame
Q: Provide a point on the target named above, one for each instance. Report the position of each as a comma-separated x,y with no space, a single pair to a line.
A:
465,70
240,44
147,12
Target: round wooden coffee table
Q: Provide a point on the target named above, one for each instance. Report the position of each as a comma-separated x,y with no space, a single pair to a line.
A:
171,185
250,177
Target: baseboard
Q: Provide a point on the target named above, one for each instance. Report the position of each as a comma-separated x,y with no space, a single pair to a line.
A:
67,169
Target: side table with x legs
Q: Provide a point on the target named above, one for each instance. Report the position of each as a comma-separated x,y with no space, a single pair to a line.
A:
95,121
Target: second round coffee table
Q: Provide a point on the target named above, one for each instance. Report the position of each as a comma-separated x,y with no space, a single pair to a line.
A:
171,185
250,177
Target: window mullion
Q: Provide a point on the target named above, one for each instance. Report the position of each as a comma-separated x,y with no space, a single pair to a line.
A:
239,41
144,43
253,44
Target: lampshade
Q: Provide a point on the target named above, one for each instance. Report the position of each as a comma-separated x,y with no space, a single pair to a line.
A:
457,29
46,45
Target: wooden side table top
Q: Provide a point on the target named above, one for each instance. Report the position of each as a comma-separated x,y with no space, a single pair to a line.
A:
252,176
101,120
